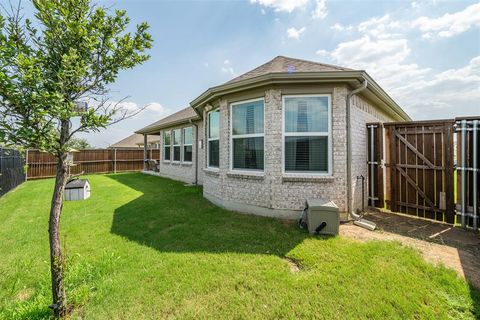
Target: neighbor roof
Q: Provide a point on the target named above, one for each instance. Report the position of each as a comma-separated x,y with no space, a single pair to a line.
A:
179,117
134,141
283,64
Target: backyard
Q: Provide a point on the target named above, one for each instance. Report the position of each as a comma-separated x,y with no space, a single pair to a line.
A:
149,247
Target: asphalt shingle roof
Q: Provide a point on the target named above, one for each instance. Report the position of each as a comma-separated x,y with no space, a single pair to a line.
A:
286,64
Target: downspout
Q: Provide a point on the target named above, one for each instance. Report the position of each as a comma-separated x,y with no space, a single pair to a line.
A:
349,150
196,150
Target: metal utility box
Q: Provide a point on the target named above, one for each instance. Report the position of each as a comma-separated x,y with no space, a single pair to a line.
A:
77,190
324,215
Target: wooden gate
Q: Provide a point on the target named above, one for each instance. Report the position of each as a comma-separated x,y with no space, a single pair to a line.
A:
419,166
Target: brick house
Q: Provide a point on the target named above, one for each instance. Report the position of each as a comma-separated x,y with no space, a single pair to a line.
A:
267,140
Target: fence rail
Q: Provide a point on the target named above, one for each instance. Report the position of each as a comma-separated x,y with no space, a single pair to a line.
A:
44,165
11,169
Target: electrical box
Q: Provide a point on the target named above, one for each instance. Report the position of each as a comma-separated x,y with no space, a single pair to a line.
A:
322,217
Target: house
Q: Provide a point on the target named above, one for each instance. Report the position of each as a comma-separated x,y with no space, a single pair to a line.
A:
277,135
135,141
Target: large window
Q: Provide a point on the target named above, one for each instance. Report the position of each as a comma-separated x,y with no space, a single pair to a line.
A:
247,133
307,138
187,144
213,139
167,145
176,144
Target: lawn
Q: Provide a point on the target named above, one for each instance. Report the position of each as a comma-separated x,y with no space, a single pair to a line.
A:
144,247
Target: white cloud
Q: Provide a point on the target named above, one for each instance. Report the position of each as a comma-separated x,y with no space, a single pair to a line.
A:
449,24
227,68
380,27
323,53
320,11
339,27
281,5
295,33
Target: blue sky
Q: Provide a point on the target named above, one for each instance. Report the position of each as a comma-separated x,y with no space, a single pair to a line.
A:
425,54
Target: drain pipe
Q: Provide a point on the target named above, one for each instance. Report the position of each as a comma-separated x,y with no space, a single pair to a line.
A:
358,220
349,148
196,150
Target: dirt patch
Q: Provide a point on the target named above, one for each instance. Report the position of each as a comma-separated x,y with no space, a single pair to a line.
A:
24,294
294,266
438,243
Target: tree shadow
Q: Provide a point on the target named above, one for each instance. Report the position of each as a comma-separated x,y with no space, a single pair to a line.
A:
171,217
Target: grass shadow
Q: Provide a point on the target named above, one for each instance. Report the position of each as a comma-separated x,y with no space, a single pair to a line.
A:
170,217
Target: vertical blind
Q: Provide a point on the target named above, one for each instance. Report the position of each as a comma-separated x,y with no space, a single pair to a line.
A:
213,139
247,135
306,134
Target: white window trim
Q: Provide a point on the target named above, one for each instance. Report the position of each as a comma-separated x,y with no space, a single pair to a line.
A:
251,135
328,134
176,145
163,142
182,152
212,139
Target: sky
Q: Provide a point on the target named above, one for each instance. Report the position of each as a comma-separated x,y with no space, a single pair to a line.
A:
425,54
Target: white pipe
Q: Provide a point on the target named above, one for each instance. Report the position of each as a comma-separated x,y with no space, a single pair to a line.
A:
349,149
463,153
475,174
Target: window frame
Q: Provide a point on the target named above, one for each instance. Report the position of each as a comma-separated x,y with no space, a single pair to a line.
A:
217,109
250,135
176,145
328,134
182,149
164,146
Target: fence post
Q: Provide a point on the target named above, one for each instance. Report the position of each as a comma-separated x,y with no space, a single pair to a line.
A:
449,176
26,165
115,160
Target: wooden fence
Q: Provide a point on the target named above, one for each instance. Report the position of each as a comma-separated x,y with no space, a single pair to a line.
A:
43,165
411,169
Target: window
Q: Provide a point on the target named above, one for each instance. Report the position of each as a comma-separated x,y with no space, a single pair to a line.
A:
187,144
167,145
213,139
176,144
247,135
307,138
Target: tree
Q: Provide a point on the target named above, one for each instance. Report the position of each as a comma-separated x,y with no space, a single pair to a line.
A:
79,144
48,68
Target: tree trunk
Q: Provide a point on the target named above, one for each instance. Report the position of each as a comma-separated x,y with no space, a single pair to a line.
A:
59,305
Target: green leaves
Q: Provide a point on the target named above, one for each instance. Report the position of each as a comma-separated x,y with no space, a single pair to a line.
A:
77,50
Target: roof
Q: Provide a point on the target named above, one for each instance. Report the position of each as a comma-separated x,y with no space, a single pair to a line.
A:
179,117
284,71
76,184
283,64
134,141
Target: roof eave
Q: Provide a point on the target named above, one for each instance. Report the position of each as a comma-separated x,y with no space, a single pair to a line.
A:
301,77
155,129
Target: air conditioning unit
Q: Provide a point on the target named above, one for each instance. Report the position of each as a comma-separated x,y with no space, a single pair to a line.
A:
322,217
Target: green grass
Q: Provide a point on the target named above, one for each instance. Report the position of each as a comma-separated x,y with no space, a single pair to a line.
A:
144,247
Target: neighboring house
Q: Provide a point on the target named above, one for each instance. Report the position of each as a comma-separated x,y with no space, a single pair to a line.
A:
269,139
136,141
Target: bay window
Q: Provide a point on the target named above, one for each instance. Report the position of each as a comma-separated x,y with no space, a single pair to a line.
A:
213,135
307,134
167,144
187,144
176,144
247,135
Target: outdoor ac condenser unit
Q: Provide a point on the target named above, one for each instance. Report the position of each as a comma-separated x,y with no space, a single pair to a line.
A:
322,217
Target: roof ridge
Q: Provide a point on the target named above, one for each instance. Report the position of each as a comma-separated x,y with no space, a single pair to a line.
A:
319,63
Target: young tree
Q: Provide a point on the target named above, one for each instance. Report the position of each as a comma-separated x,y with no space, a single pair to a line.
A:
48,69
79,143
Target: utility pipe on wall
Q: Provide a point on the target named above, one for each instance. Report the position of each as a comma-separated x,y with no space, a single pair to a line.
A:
349,148
196,150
